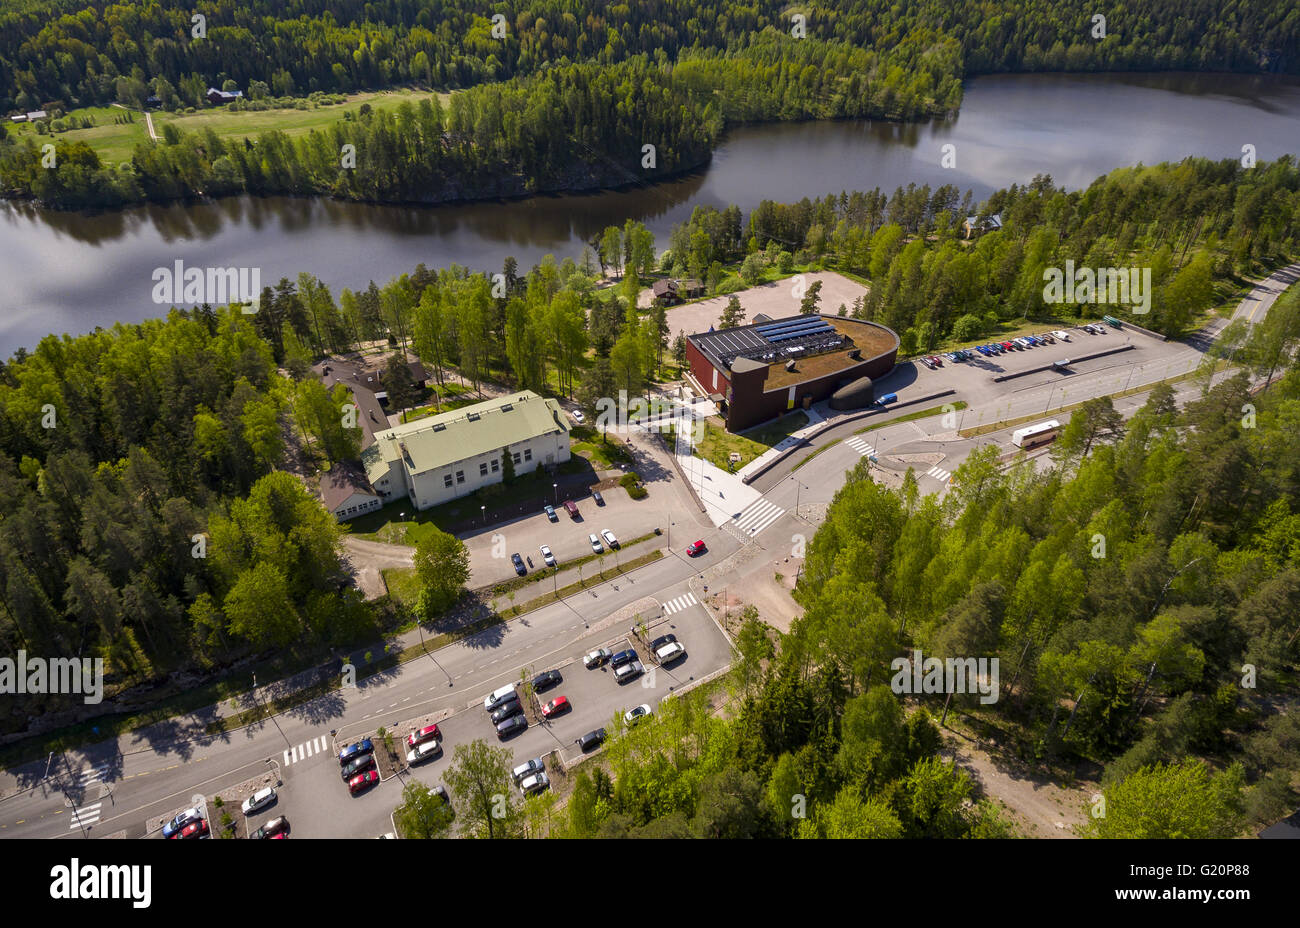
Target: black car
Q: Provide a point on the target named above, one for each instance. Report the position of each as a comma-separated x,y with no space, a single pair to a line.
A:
600,500
661,641
519,564
361,764
506,710
546,680
622,657
592,739
353,751
510,726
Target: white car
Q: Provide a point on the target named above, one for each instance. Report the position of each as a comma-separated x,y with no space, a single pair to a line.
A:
595,544
547,556
535,783
670,652
420,753
609,538
632,716
259,800
527,769
595,658
578,417
1062,335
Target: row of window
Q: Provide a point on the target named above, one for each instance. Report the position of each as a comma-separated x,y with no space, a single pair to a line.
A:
371,504
447,479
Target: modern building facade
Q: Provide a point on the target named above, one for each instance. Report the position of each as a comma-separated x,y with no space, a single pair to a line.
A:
756,372
441,458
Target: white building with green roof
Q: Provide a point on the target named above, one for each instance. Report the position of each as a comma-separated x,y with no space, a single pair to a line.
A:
440,458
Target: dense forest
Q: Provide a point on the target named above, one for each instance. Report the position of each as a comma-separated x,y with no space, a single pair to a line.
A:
1142,599
125,449
1196,224
96,52
1141,596
144,520
561,101
569,127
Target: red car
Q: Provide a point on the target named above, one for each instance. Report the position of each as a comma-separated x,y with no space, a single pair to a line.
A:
695,547
195,829
363,781
427,733
556,706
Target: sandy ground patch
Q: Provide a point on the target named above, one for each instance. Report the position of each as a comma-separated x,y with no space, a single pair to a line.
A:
774,299
1039,807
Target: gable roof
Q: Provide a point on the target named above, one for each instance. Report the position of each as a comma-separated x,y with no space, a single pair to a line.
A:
340,483
437,441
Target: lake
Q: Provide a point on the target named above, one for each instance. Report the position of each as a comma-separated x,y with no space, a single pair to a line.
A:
69,272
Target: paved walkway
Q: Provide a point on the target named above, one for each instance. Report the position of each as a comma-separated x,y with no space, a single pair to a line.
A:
816,422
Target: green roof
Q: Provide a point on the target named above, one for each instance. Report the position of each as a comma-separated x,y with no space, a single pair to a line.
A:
437,441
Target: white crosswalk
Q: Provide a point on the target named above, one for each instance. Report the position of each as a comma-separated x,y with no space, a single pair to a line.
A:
938,473
757,516
860,446
680,603
306,750
85,815
92,775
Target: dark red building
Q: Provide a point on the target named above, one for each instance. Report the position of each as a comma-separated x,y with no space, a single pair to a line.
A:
757,372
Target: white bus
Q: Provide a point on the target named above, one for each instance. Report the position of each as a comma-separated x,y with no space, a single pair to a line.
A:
1031,436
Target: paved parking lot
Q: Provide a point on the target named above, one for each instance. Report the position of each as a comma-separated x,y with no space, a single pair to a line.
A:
490,549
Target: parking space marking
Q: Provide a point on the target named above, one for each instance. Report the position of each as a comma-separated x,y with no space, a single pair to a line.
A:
680,603
757,516
306,750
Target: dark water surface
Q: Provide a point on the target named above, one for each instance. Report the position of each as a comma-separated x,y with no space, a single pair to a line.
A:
69,272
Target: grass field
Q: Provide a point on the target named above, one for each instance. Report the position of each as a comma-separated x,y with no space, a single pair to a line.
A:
229,123
718,444
112,141
115,143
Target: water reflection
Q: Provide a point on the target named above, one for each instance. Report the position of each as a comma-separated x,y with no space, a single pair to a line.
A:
71,271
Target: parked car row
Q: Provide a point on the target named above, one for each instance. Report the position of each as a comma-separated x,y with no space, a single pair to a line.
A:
502,705
597,542
992,349
530,776
357,766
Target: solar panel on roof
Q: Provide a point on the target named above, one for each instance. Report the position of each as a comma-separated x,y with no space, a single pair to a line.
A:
799,333
781,326
806,326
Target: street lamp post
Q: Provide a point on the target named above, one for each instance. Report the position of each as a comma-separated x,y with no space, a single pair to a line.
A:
556,488
483,510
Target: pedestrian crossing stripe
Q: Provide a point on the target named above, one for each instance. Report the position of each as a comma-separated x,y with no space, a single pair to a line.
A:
306,750
758,516
92,775
85,815
680,603
860,446
938,473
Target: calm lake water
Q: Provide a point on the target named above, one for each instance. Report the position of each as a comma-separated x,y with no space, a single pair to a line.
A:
69,272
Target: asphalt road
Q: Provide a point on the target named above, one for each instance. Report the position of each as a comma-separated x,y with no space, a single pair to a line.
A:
122,785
